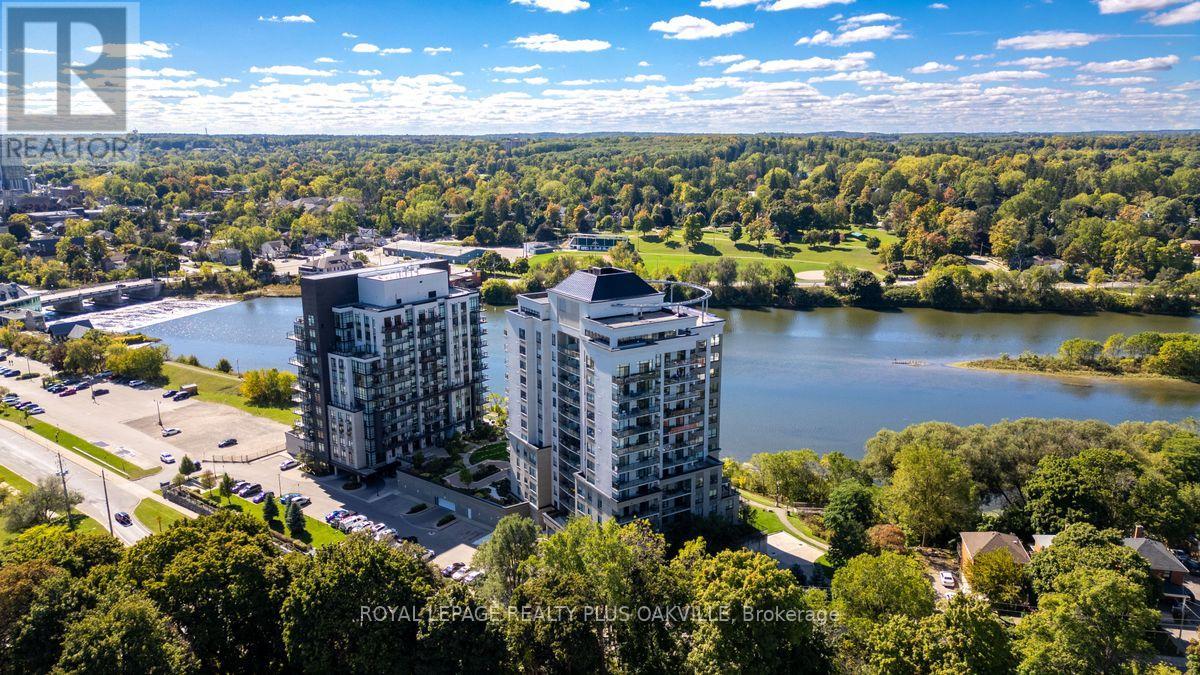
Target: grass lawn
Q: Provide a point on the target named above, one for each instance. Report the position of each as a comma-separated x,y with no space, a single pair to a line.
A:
757,498
217,387
79,446
156,515
673,253
498,450
319,532
83,523
805,528
765,521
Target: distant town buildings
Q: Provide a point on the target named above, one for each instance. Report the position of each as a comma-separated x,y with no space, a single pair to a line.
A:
614,402
459,255
390,363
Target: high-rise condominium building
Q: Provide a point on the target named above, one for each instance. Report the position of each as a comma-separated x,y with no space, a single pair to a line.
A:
389,361
614,402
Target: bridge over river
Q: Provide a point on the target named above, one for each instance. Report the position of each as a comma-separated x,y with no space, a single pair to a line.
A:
71,301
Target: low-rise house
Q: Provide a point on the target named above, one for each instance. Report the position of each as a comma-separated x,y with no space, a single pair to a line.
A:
114,261
1192,245
1057,264
1163,563
274,249
974,544
230,256
329,263
69,330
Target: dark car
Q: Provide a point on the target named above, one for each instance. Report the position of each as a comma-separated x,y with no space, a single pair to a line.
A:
181,396
83,385
169,393
12,373
227,442
261,497
99,391
411,540
123,518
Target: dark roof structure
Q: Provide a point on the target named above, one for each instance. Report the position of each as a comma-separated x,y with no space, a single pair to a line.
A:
602,284
1161,560
62,330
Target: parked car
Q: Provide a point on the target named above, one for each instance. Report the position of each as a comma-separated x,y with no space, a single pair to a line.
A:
227,442
472,576
82,385
12,373
99,391
37,410
103,374
181,396
168,393
379,527
55,388
385,534
123,518
288,497
346,523
288,464
450,569
250,489
261,497
337,514
238,485
461,573
301,501
411,540
169,431
167,458
427,555
361,525
947,579
136,383
69,391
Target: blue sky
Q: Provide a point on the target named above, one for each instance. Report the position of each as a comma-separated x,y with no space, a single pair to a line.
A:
697,65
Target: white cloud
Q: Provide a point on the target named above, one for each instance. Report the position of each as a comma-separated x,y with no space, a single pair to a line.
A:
974,57
559,6
134,71
291,18
932,67
434,51
1004,76
863,77
1041,62
34,51
1118,6
646,78
550,42
851,61
1092,81
1131,66
268,80
349,35
228,80
851,36
581,83
396,50
365,73
782,5
518,70
523,80
727,4
148,49
722,59
939,5
325,59
1194,85
643,64
876,17
1049,39
1187,14
298,71
688,27
365,48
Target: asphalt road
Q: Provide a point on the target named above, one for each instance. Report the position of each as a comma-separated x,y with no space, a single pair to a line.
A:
34,462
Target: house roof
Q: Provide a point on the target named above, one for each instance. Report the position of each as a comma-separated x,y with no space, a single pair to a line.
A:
601,284
976,543
65,328
1161,560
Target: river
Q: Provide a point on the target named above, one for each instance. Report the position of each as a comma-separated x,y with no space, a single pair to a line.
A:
826,379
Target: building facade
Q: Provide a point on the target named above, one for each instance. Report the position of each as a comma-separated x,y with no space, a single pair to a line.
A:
390,362
614,403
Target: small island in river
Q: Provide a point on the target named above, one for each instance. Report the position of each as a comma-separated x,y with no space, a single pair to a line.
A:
1144,355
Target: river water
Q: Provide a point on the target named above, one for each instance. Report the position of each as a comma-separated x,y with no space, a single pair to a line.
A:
826,379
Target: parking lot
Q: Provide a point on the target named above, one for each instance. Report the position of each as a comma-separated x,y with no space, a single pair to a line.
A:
125,421
380,504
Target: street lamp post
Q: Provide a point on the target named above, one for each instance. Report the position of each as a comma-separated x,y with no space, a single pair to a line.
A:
107,509
158,410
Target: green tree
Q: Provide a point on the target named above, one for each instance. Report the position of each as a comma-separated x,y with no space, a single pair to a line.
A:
512,542
293,517
267,387
1077,352
224,365
225,489
968,637
497,293
220,579
850,511
931,492
693,230
455,635
1082,547
143,363
873,587
754,592
270,508
39,505
1095,621
124,634
998,577
325,629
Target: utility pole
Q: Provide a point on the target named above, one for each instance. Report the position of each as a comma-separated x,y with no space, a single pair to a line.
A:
66,499
107,510
158,409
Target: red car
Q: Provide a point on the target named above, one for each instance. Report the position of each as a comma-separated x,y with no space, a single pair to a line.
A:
69,391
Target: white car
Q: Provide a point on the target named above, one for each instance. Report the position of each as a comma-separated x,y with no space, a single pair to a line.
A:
288,464
167,458
169,431
461,573
947,579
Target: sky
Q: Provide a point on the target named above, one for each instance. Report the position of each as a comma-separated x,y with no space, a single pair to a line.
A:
501,66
